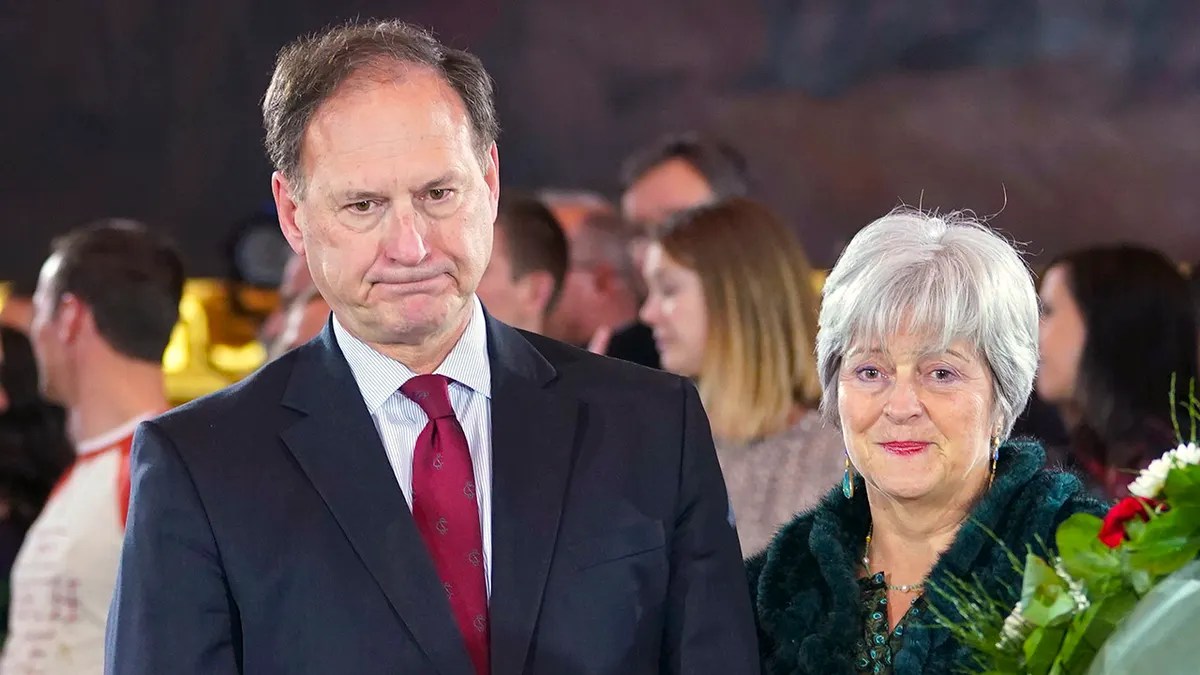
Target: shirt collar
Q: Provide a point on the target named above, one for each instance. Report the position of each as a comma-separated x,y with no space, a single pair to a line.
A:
114,435
379,376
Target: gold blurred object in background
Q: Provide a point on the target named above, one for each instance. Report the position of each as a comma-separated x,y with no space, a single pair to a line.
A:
212,346
818,280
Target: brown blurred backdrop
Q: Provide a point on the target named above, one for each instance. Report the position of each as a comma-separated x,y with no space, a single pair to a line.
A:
1081,113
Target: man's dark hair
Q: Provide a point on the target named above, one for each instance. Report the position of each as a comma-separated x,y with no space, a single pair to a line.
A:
309,70
535,240
129,276
723,167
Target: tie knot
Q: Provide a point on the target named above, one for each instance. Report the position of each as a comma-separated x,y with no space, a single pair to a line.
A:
432,393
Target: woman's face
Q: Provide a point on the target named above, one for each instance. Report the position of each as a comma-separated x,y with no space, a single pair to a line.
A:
675,310
1061,339
917,422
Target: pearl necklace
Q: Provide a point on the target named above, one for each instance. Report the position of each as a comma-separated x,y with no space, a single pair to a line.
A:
866,561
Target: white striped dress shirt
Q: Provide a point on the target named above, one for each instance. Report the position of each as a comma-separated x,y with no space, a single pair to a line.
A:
400,420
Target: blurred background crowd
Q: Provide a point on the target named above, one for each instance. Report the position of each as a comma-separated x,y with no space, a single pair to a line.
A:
678,176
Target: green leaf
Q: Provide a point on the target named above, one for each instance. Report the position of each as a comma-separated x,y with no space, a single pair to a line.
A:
1135,529
1187,518
1167,543
1090,629
1141,580
1083,555
1044,594
1183,486
1042,647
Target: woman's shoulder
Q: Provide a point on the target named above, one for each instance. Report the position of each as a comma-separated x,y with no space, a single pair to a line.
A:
797,548
1047,497
789,544
811,447
807,452
1023,509
815,548
1065,489
808,430
1062,492
805,591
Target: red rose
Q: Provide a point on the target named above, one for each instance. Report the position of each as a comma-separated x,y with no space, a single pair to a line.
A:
1112,532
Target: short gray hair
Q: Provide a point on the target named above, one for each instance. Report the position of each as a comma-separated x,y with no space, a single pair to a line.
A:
949,275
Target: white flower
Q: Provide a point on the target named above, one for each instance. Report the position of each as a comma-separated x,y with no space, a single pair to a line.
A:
1015,629
1074,586
1187,455
1151,480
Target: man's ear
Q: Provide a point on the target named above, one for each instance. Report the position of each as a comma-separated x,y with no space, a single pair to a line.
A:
285,205
536,289
491,174
71,317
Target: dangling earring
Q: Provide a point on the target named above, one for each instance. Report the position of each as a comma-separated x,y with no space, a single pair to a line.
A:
995,458
848,480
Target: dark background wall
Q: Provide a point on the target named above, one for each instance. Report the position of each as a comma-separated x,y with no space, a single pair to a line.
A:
1075,120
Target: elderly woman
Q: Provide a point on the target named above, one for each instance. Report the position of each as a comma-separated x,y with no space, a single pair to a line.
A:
926,351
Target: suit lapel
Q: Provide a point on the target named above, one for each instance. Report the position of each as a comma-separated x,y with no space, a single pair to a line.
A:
338,447
533,448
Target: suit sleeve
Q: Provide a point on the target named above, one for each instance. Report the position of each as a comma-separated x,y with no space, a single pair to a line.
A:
171,611
710,627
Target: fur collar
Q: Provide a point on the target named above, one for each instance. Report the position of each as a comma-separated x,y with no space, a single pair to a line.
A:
805,588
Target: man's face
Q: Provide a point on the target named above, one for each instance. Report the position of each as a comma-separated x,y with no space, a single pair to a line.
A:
575,317
671,187
668,188
497,289
517,301
396,216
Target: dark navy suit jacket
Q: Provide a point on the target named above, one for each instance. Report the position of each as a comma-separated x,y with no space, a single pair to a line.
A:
267,533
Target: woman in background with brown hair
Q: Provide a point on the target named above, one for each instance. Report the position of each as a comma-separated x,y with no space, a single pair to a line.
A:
1117,324
732,304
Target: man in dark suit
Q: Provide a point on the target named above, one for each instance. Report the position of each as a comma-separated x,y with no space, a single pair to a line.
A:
421,489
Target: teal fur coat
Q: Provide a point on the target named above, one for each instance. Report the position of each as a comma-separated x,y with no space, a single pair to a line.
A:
806,596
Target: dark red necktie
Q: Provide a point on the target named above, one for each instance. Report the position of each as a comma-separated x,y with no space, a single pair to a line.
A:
447,514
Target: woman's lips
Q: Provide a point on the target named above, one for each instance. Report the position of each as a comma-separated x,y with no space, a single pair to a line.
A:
905,447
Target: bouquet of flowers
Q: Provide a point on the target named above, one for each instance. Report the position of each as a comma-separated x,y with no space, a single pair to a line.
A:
1073,601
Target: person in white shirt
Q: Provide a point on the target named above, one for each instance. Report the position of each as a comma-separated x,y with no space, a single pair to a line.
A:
106,302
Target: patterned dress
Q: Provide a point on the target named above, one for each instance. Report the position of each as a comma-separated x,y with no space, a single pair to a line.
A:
873,651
